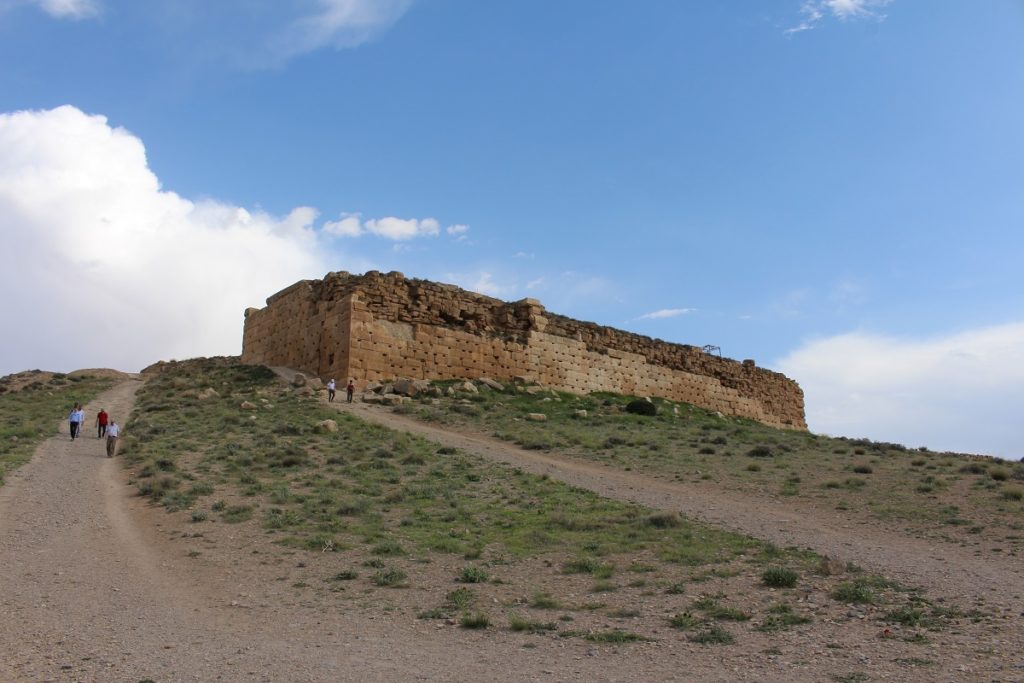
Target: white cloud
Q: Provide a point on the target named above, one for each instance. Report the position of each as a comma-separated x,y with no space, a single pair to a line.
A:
666,313
535,283
960,392
401,229
814,12
70,9
350,225
106,268
459,232
339,24
397,229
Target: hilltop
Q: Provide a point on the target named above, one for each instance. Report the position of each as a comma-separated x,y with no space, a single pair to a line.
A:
593,542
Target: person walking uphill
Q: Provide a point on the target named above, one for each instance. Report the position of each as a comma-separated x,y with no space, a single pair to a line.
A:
101,423
113,431
331,386
75,420
350,389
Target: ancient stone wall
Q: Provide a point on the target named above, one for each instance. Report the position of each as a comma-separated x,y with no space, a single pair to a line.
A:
375,327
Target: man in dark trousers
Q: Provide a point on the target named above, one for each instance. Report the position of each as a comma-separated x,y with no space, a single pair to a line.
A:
101,423
350,389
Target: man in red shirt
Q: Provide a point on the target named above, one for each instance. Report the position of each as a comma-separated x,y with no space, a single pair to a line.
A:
101,423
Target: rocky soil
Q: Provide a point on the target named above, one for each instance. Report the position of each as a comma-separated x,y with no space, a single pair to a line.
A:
99,586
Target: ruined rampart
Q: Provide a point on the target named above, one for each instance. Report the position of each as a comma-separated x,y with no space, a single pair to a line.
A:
377,327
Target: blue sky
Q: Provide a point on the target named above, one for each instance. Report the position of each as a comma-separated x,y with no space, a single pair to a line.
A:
832,187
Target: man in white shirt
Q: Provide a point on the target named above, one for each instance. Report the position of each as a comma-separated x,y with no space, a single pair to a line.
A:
113,431
331,386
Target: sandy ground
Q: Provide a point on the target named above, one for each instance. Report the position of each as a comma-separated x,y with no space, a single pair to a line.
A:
98,586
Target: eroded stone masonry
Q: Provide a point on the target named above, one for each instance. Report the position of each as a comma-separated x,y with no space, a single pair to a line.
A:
377,327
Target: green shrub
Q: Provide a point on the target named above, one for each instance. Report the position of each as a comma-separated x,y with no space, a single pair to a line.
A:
999,473
779,577
642,407
684,621
544,601
862,469
712,634
781,617
388,547
473,574
475,620
1012,493
761,451
520,624
237,513
390,577
460,598
664,520
857,591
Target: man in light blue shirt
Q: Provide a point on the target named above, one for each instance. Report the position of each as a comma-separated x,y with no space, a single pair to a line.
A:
75,420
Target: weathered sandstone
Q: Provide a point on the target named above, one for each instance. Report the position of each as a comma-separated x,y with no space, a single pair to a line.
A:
377,327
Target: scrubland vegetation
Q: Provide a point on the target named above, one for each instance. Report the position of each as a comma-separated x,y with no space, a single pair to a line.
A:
495,547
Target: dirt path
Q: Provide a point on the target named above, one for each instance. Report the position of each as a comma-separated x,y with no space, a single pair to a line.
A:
97,586
944,569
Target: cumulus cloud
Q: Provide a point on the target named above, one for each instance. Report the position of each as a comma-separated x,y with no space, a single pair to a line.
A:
814,12
105,267
339,24
959,392
666,313
397,229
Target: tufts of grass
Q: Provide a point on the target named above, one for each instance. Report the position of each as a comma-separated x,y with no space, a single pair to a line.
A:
715,610
615,636
390,578
1012,493
474,620
521,625
858,591
999,473
779,577
544,601
460,599
389,547
684,621
712,634
780,618
664,520
237,513
473,574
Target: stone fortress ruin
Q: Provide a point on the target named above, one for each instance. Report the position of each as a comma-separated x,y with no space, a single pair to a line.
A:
377,327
